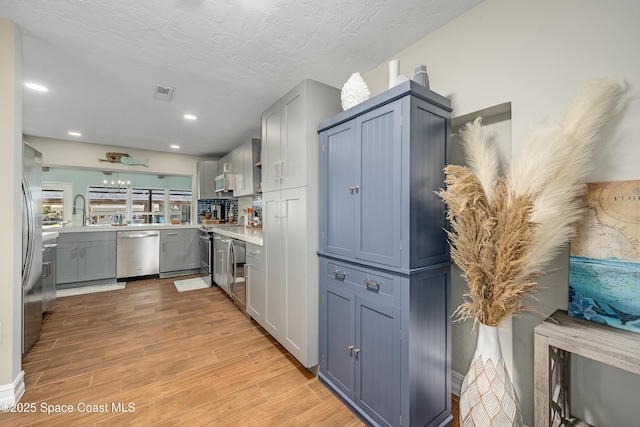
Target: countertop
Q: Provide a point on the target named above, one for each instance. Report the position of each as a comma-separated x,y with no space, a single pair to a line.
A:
49,237
251,235
240,232
109,227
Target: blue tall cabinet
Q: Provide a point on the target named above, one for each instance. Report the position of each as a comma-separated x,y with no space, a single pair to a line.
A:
385,329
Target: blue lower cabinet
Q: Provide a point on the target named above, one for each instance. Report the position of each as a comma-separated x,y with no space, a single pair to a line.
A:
339,363
378,361
385,342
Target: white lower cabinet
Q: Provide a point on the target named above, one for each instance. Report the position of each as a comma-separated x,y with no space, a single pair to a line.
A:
255,276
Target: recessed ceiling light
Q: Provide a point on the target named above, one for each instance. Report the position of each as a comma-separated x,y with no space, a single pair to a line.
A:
37,87
74,133
190,117
175,146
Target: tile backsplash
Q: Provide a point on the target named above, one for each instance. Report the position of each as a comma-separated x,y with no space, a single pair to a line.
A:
204,206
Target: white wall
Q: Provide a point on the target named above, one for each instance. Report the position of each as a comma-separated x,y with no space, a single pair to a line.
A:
10,171
536,55
58,152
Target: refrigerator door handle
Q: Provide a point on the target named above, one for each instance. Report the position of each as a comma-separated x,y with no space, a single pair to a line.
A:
28,256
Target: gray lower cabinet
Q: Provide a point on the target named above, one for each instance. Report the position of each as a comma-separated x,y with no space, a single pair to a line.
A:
179,250
192,245
85,257
385,341
256,283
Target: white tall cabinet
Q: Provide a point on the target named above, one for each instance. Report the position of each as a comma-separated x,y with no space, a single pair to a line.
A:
290,181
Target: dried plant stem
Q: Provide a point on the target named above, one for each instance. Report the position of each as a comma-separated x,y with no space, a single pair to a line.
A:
489,242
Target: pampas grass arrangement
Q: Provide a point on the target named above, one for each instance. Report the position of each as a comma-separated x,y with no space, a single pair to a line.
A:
505,231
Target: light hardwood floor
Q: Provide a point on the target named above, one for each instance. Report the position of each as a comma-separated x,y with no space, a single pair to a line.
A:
179,359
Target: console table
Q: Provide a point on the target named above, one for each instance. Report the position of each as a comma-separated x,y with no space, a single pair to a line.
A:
555,339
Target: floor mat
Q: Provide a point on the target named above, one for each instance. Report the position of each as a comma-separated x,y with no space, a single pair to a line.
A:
61,293
190,284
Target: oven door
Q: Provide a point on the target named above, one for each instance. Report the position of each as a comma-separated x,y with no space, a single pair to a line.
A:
206,243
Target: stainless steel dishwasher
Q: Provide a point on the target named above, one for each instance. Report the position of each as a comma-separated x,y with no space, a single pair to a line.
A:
236,273
138,254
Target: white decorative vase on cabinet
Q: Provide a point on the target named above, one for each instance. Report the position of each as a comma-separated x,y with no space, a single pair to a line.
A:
488,398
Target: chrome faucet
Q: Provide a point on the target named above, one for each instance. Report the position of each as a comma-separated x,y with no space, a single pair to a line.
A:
84,205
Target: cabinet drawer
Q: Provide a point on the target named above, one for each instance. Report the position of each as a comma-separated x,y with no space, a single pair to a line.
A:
255,252
88,236
171,234
372,284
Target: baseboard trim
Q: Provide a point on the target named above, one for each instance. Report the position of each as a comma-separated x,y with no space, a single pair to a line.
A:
456,382
11,393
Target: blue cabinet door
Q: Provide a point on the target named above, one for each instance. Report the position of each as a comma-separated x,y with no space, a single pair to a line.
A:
378,361
378,209
339,176
338,316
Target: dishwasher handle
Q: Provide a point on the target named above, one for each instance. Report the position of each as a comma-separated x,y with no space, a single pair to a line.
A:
136,236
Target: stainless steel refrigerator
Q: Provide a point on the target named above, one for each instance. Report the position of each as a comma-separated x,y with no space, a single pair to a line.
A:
31,246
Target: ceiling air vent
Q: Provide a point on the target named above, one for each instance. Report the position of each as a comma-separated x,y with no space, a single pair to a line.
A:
162,92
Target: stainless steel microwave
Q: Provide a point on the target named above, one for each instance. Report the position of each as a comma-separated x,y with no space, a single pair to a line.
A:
224,182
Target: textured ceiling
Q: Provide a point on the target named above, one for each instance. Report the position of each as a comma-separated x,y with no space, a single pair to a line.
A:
228,60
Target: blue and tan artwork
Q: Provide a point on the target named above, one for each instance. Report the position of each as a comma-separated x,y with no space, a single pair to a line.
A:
604,266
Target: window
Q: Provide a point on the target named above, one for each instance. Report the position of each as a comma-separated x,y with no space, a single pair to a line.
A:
147,206
52,206
105,203
57,203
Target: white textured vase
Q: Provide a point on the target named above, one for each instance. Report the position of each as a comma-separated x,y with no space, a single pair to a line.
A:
488,398
354,91
394,71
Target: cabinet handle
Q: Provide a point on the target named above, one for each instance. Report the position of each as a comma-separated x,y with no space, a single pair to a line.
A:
350,348
73,252
278,166
356,351
340,275
281,164
372,286
81,251
46,269
172,234
354,188
220,256
253,252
